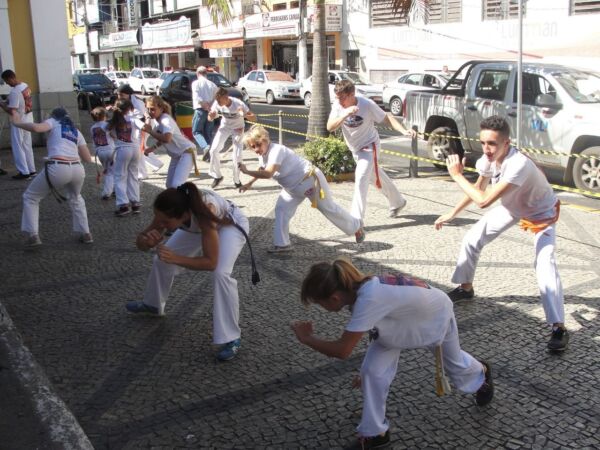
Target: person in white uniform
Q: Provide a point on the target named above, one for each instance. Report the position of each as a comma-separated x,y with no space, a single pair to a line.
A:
232,112
19,100
62,176
398,312
168,135
104,148
299,180
525,197
207,236
125,92
203,95
357,115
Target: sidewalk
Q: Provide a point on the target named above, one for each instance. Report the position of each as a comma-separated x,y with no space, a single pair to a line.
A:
134,382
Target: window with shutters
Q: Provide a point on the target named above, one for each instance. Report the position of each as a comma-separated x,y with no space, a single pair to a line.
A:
382,15
502,9
444,11
585,7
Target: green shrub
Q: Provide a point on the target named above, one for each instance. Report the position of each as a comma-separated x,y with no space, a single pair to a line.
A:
330,155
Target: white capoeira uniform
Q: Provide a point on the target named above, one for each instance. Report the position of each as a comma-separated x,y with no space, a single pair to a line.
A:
531,198
64,170
19,99
127,157
104,146
362,139
232,124
402,312
187,241
139,112
300,181
181,150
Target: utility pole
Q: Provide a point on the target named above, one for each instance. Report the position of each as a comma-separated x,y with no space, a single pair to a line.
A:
302,53
86,24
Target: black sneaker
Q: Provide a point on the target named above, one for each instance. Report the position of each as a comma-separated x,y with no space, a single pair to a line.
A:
21,176
559,341
206,157
459,294
136,208
237,185
123,211
32,174
216,182
366,442
485,393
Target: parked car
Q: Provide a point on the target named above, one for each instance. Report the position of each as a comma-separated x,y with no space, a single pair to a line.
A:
163,77
145,80
271,85
89,70
93,89
363,87
118,77
394,93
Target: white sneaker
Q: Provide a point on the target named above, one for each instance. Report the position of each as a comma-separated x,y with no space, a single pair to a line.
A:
394,211
86,238
278,249
33,241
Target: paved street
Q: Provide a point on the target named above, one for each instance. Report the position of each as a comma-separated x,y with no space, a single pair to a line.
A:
134,382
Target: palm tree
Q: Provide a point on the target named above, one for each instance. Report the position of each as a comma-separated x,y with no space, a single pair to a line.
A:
219,10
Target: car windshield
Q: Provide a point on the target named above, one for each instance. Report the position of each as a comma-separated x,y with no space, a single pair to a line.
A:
278,76
219,79
121,74
91,79
354,77
151,73
583,87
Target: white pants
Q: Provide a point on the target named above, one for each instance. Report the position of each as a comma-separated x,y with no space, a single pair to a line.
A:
217,145
226,298
66,179
490,226
365,175
179,169
380,366
127,187
289,200
107,159
22,149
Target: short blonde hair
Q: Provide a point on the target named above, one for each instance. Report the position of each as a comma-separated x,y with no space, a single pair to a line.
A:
257,133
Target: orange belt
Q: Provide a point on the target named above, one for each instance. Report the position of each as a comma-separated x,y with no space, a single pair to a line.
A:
535,226
377,180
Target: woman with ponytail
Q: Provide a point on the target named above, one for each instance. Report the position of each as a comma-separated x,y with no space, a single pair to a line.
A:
209,233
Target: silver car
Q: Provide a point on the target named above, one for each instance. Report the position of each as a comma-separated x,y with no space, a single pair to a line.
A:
271,85
363,87
394,93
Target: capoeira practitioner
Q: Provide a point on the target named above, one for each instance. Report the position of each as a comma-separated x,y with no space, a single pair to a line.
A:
181,150
63,174
357,116
104,147
525,197
209,234
299,180
399,312
232,112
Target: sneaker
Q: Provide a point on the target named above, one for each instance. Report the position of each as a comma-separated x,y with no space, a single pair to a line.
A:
32,174
136,208
2,171
280,249
105,197
459,294
559,340
485,393
360,235
394,211
123,211
21,176
86,238
206,156
229,350
141,308
237,185
216,182
33,241
367,442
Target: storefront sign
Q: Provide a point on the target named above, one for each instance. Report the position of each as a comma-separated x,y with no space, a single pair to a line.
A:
120,39
167,34
220,52
276,23
333,17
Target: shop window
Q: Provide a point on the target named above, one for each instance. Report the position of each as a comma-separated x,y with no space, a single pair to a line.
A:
585,7
381,14
294,5
501,9
279,6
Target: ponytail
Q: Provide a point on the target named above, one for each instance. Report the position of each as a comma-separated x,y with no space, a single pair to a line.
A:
117,121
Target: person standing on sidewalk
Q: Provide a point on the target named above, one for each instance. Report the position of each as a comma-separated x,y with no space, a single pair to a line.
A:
104,148
357,116
203,95
398,312
209,233
299,180
526,198
19,100
62,171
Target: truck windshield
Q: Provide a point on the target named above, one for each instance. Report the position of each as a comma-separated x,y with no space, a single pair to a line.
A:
583,87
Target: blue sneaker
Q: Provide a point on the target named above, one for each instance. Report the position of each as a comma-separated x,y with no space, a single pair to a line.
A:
229,350
141,308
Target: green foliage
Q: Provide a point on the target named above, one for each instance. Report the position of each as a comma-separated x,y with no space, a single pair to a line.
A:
329,154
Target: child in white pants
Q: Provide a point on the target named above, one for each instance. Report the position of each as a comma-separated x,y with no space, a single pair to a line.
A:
104,147
63,174
399,312
206,236
300,181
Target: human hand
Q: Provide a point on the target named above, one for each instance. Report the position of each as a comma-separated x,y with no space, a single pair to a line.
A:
151,238
303,329
455,165
350,110
357,382
166,255
242,168
245,187
212,115
412,133
444,218
147,128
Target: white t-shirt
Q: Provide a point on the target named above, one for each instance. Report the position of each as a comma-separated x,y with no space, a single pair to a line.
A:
203,90
531,197
292,168
129,135
359,129
179,143
221,208
406,312
139,107
63,140
16,99
233,115
101,137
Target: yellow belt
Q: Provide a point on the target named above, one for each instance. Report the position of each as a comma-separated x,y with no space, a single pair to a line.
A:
192,151
317,185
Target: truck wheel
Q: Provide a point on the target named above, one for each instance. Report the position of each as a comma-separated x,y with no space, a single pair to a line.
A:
307,99
396,106
143,91
443,143
270,97
586,171
245,96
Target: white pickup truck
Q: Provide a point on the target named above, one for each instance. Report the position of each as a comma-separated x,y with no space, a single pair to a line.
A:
561,114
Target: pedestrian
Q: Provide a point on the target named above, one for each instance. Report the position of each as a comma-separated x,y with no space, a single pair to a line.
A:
19,99
398,312
181,150
209,233
203,94
233,112
104,147
299,180
62,175
526,198
122,126
357,116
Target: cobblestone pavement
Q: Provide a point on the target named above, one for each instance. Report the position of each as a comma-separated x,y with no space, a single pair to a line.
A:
135,382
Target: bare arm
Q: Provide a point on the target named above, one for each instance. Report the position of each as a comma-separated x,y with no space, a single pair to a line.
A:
208,259
264,174
397,125
334,123
340,348
250,116
150,237
84,153
32,127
